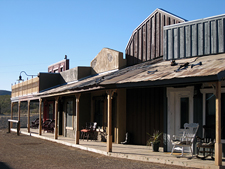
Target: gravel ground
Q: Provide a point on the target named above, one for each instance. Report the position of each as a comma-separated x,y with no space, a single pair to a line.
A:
22,152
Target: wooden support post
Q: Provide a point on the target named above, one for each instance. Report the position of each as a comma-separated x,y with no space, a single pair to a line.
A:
77,132
18,127
218,144
56,118
109,110
11,124
28,116
40,121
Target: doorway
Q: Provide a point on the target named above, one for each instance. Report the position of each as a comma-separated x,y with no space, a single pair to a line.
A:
180,110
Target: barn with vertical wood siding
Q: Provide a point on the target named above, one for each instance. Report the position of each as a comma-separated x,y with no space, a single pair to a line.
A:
146,41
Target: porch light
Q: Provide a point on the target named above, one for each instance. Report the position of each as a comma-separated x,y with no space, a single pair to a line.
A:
20,77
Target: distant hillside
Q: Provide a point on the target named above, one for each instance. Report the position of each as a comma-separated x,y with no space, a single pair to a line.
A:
5,92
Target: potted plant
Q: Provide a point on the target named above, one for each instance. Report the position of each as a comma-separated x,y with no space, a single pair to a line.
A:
154,140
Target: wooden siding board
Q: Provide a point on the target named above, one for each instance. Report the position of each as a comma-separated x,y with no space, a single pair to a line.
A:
149,31
176,43
213,37
162,22
143,122
188,41
194,42
153,37
144,42
200,39
140,43
182,44
170,43
147,101
165,46
139,114
207,38
220,38
157,35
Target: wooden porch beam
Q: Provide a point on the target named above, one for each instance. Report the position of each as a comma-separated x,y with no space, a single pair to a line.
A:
218,144
40,124
56,118
28,116
109,110
77,132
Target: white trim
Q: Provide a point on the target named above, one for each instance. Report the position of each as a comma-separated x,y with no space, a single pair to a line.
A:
173,119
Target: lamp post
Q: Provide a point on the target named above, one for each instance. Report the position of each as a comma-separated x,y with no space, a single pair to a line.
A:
20,77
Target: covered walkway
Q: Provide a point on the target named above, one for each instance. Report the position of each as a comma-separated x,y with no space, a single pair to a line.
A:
133,152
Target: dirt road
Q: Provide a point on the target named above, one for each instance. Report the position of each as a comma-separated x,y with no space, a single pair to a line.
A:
22,152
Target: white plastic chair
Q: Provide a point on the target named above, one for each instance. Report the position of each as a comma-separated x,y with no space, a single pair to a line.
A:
185,138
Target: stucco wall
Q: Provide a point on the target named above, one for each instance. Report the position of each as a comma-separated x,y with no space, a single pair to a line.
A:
107,59
74,74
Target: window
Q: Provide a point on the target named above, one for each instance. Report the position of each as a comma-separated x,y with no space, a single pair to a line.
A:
99,111
184,111
210,109
69,114
50,111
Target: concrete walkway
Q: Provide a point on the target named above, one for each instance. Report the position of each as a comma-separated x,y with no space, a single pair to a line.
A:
133,152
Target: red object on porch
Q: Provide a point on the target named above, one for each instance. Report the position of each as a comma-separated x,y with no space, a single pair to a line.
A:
89,131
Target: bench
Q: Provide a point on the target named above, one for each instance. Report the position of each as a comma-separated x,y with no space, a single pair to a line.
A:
18,125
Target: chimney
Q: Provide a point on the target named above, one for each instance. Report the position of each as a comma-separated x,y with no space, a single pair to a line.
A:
65,56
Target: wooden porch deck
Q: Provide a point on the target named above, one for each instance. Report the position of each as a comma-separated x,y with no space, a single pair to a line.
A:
133,152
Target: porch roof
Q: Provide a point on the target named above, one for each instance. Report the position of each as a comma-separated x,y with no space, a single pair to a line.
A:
151,73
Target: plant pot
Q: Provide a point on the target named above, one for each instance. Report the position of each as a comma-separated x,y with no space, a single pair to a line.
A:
155,146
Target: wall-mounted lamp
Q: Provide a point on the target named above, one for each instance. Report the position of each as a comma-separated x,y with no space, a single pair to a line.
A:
20,77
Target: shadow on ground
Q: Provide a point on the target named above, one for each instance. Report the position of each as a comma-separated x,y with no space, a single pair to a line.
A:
4,166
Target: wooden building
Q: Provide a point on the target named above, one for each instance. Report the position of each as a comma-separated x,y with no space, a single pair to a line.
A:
145,92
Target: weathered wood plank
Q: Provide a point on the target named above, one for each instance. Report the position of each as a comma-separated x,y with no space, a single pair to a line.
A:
144,42
182,42
176,43
200,39
140,44
194,42
153,37
213,37
170,43
220,25
188,40
157,36
149,32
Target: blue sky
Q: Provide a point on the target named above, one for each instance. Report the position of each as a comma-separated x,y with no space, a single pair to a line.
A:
37,33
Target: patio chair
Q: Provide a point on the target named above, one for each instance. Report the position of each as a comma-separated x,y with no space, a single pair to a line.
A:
89,131
49,125
35,123
205,145
185,138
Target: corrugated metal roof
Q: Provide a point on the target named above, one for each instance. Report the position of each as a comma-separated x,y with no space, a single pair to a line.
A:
212,68
155,72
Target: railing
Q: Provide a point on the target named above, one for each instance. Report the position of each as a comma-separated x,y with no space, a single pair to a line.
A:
18,125
25,88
